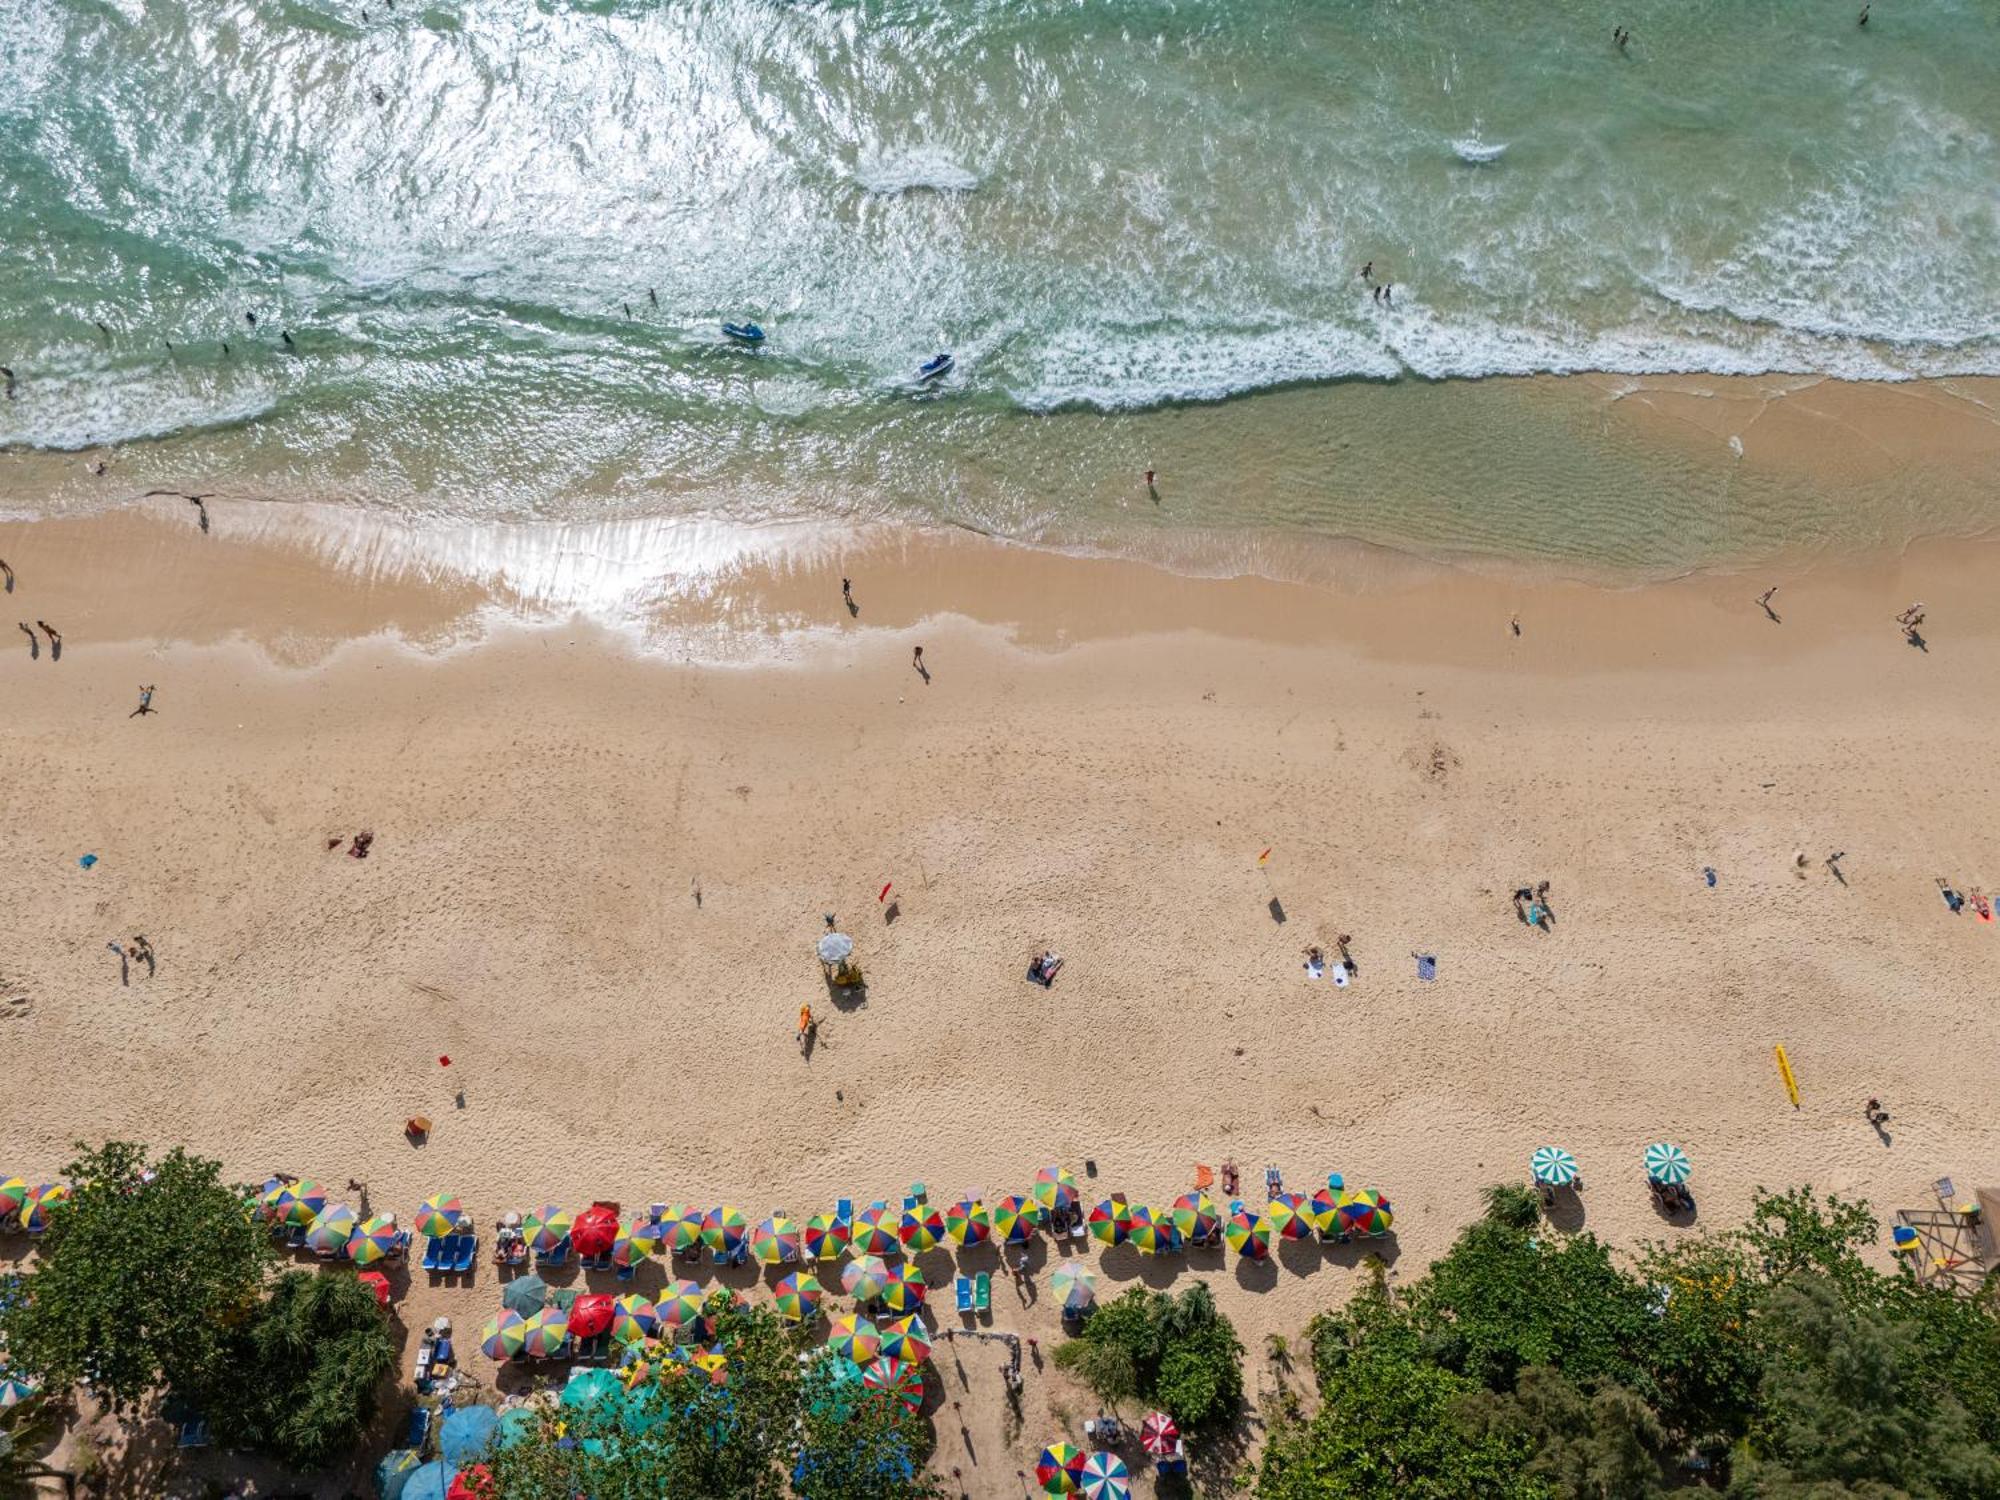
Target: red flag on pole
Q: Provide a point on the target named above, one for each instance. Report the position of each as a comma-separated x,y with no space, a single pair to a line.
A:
884,894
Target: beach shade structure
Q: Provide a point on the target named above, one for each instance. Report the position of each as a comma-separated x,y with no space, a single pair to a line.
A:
1013,1220
835,947
1055,1188
1552,1166
1287,1213
1322,1210
637,1241
15,1388
827,1236
546,1228
439,1215
526,1295
633,1319
1159,1434
798,1296
394,1472
430,1481
504,1336
724,1230
595,1231
920,1229
899,1379
1059,1471
43,1199
875,1231
678,1309
545,1333
855,1338
906,1339
865,1277
372,1240
377,1283
467,1432
14,1196
1074,1283
683,1227
904,1290
591,1388
1666,1164
1195,1216
591,1315
1247,1233
298,1203
1150,1232
775,1242
968,1223
1109,1221
474,1482
1365,1212
1105,1477
331,1230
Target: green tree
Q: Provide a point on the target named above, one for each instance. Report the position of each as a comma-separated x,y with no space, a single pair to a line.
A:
1706,1363
1601,1445
858,1445
140,1279
1793,1232
302,1377
1180,1353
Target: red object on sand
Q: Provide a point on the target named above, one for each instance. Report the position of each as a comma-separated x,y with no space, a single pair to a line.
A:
884,895
590,1316
594,1231
376,1282
443,1061
474,1483
1158,1434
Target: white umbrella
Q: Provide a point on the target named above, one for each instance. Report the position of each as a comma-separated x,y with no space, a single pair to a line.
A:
834,947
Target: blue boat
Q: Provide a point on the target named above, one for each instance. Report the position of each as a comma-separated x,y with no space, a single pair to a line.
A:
930,369
744,333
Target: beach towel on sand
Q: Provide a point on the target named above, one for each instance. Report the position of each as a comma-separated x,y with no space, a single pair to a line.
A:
1339,972
1427,966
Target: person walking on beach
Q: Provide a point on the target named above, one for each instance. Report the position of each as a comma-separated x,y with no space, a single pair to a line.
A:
1864,17
847,592
143,951
124,965
145,702
917,661
195,501
55,639
8,574
1765,597
34,641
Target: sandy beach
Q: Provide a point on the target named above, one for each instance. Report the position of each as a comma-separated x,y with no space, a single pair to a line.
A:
1097,760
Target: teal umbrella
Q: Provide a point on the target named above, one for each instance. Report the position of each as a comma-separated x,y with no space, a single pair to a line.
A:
590,1387
394,1472
431,1482
468,1432
1553,1166
526,1295
516,1423
1667,1164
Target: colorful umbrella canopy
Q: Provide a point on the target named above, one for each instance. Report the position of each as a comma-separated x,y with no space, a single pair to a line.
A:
525,1294
683,1227
798,1296
546,1228
1365,1212
1013,1220
439,1215
1322,1210
1248,1233
633,1319
594,1231
1059,1470
15,1388
906,1339
591,1315
14,1193
1903,1238
713,1363
775,1242
1286,1211
1074,1283
504,1336
968,1222
864,1277
679,1311
875,1231
898,1378
637,1241
921,1228
724,1230
43,1199
1110,1221
331,1230
472,1483
298,1203
903,1291
1159,1433
1552,1166
372,1240
827,1236
1105,1477
1666,1163
1149,1231
855,1338
1196,1217
1055,1188
545,1332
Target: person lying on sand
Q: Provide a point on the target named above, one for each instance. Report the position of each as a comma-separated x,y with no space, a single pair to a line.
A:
1044,969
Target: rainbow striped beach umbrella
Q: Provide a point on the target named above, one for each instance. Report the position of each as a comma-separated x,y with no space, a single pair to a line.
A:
906,1339
968,1223
904,1290
1059,1470
1365,1213
14,1194
864,1277
43,1199
875,1231
15,1388
683,1227
798,1297
1145,1232
268,1197
678,1311
827,1236
504,1336
1195,1216
372,1241
1105,1477
897,1378
633,1319
1014,1220
1055,1187
331,1231
1323,1211
1288,1218
546,1228
855,1338
1110,1221
546,1332
1074,1284
921,1228
1247,1233
775,1242
637,1241
1552,1166
1666,1163
439,1215
714,1363
724,1230
299,1203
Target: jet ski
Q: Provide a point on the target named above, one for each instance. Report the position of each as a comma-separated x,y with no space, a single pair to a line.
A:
931,369
744,333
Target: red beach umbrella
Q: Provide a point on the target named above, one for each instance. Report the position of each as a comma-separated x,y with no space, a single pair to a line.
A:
1158,1433
474,1483
377,1283
594,1230
591,1315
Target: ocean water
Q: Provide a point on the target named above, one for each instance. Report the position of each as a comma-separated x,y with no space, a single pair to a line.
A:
501,236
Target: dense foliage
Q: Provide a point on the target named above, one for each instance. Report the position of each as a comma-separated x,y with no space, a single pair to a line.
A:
1772,1361
1176,1353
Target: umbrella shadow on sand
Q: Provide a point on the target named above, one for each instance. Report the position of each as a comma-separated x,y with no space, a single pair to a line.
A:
1565,1212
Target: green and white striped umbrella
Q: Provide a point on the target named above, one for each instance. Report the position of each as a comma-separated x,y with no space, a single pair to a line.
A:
1553,1165
1666,1163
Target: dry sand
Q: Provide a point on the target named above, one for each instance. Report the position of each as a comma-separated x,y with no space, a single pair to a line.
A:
1098,759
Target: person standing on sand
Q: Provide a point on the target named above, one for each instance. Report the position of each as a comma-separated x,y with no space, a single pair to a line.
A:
847,592
917,661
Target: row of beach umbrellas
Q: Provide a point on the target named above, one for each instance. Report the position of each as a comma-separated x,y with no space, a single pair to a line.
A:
1665,1163
30,1204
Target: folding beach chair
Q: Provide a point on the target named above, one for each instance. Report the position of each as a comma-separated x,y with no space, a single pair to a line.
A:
982,1292
844,1210
964,1288
468,1252
1274,1183
419,1431
556,1257
193,1433
436,1248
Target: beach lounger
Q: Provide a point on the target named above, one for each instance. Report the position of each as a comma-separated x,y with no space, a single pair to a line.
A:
964,1288
296,1240
400,1250
435,1249
982,1292
1274,1182
467,1254
419,1430
556,1257
193,1433
626,1273
844,1210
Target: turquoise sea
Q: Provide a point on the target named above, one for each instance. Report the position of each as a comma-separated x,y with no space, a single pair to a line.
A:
488,244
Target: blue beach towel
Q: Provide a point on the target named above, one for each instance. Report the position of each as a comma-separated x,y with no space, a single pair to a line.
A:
1427,966
88,860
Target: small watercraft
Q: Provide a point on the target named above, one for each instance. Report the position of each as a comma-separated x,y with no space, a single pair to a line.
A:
744,333
930,369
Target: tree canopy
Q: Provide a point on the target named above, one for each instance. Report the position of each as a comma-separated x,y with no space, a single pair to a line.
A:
1178,1353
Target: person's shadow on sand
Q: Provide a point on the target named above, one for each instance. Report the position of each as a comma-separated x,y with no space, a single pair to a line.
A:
34,641
1277,911
1917,640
